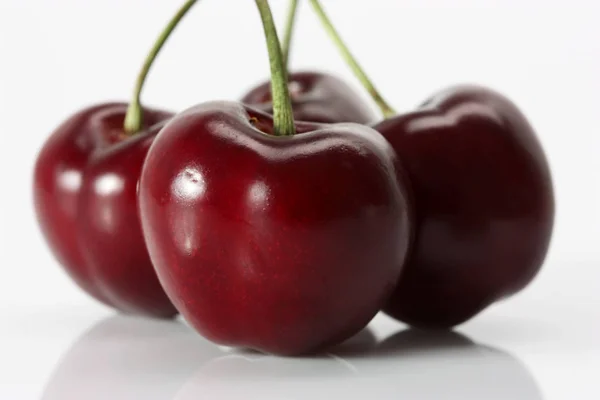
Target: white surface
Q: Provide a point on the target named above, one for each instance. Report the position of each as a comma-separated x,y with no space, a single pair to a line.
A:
57,56
528,349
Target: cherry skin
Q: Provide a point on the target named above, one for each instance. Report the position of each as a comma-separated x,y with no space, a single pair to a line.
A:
85,192
285,244
316,97
483,201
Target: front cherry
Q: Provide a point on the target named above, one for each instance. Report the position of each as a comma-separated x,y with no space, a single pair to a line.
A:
272,238
281,244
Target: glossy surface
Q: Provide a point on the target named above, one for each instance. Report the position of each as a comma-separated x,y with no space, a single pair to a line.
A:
119,357
484,205
316,97
406,363
85,191
532,348
192,368
280,244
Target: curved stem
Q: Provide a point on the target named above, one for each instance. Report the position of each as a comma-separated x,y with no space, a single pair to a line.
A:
386,109
134,116
283,117
289,33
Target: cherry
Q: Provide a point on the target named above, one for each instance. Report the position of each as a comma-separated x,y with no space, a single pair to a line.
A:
483,200
484,205
281,237
280,244
85,191
316,97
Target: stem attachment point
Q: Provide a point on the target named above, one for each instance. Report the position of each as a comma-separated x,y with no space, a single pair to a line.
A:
283,116
134,119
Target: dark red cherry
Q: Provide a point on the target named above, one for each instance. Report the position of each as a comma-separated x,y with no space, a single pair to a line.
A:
316,97
484,205
85,190
284,244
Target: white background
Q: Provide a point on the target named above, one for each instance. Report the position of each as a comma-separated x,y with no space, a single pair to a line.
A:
57,56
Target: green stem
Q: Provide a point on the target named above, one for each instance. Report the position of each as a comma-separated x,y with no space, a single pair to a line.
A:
283,117
386,109
289,33
134,117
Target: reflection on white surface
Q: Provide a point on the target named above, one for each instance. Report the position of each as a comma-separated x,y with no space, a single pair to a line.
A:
409,365
126,358
129,358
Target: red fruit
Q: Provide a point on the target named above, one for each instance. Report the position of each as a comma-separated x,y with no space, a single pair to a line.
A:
85,190
316,97
483,200
282,244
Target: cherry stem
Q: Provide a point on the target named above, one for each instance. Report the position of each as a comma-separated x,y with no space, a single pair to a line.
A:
134,117
386,109
289,33
283,117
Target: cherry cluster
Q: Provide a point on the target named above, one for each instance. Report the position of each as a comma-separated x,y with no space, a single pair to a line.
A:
285,222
